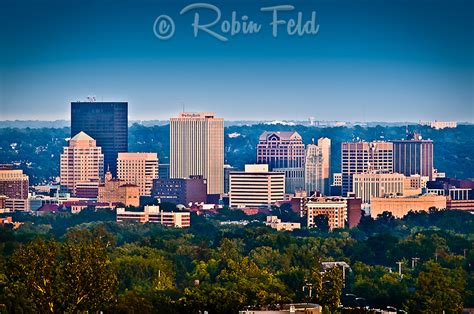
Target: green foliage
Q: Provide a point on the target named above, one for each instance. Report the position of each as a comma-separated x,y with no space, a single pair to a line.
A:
51,261
75,275
439,290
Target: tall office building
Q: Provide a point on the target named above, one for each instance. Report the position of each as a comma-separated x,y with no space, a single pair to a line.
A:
362,157
81,161
255,187
107,123
197,148
325,145
283,152
413,156
317,166
139,169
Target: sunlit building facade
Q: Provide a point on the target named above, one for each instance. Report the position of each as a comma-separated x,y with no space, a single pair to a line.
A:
197,148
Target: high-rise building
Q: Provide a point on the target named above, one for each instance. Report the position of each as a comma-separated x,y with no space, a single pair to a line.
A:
81,161
362,157
107,123
255,187
325,144
139,169
317,166
413,156
197,148
313,179
283,152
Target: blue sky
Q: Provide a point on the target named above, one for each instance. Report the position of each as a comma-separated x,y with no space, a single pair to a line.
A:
371,60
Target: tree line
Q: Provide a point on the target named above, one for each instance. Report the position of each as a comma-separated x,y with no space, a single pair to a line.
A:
88,262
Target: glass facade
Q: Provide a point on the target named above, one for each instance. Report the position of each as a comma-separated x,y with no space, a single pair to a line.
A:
107,123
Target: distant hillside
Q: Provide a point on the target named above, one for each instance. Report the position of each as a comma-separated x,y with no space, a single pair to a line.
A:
37,150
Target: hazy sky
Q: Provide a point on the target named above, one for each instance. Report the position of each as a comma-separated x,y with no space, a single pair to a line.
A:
371,60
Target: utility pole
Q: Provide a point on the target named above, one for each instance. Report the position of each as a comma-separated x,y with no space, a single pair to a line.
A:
308,286
400,268
413,262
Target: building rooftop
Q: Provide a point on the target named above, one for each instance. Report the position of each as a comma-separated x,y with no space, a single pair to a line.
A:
284,135
82,136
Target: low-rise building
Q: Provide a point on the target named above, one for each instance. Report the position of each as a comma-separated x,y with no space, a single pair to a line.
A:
180,191
439,124
453,188
296,308
87,189
335,208
373,184
256,187
275,223
153,214
115,191
399,206
467,205
14,185
9,221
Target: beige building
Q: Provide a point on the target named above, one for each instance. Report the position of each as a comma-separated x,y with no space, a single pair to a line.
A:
139,169
115,191
197,148
399,206
324,144
317,166
369,185
275,223
414,184
81,161
255,187
335,208
153,214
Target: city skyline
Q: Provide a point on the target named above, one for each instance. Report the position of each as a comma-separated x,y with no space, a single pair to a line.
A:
370,62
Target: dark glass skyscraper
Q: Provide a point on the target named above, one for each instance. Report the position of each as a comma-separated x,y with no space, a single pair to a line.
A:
107,123
413,156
